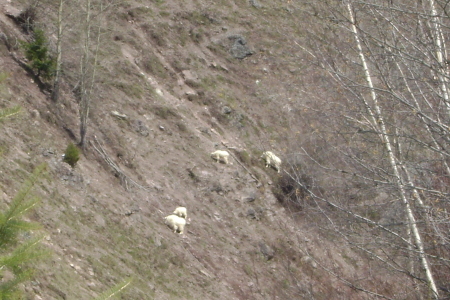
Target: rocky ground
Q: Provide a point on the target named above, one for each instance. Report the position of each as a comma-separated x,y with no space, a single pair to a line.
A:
174,84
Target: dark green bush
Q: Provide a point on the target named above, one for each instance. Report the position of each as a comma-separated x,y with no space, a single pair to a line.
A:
72,155
37,54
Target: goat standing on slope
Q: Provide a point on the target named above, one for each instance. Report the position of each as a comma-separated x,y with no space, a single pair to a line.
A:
272,160
220,155
175,223
181,212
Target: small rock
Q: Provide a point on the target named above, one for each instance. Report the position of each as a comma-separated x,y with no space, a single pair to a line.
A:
118,115
226,110
266,250
157,241
92,198
11,11
191,95
189,76
140,127
204,130
250,198
239,49
99,220
251,213
133,210
34,113
35,282
255,3
48,152
308,260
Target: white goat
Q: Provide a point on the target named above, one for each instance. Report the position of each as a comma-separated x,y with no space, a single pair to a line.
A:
181,212
220,155
272,160
175,223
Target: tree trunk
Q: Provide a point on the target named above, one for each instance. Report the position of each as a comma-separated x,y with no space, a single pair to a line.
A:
56,83
378,122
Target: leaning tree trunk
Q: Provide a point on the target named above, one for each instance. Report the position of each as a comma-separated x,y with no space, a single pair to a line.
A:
87,80
441,55
377,119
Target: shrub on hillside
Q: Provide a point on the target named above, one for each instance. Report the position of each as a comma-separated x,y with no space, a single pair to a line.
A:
292,192
37,54
72,155
17,252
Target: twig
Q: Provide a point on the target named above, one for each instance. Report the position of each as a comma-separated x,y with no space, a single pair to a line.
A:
248,171
125,179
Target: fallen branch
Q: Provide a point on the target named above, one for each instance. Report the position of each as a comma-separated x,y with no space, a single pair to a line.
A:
242,165
124,179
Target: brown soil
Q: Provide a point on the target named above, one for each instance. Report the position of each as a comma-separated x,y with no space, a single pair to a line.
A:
104,223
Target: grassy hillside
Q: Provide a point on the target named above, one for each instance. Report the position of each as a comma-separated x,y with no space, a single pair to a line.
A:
174,82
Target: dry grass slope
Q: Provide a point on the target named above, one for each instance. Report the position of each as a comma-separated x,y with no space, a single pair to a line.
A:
105,224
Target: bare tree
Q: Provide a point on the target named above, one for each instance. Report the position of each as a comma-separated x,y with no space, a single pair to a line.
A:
57,78
390,117
377,121
89,60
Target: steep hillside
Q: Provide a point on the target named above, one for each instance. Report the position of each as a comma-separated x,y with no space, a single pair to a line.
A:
174,83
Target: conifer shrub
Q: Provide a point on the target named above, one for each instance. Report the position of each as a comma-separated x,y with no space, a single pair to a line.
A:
37,54
16,252
72,155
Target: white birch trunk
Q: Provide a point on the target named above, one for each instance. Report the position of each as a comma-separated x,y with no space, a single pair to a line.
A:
378,121
441,54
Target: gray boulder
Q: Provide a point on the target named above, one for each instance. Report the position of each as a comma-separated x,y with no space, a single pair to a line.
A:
239,48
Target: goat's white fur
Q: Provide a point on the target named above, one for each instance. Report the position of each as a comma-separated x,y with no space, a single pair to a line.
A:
272,160
181,212
175,223
220,155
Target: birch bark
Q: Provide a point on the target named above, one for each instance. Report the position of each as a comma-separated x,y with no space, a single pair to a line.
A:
375,112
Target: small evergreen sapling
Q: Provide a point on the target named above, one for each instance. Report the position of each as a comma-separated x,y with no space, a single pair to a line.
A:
37,53
72,155
16,252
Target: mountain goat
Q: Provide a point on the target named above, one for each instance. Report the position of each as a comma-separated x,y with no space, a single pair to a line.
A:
272,160
181,212
175,223
220,155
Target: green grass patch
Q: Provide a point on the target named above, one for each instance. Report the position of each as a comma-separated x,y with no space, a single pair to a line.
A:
164,112
135,91
152,65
